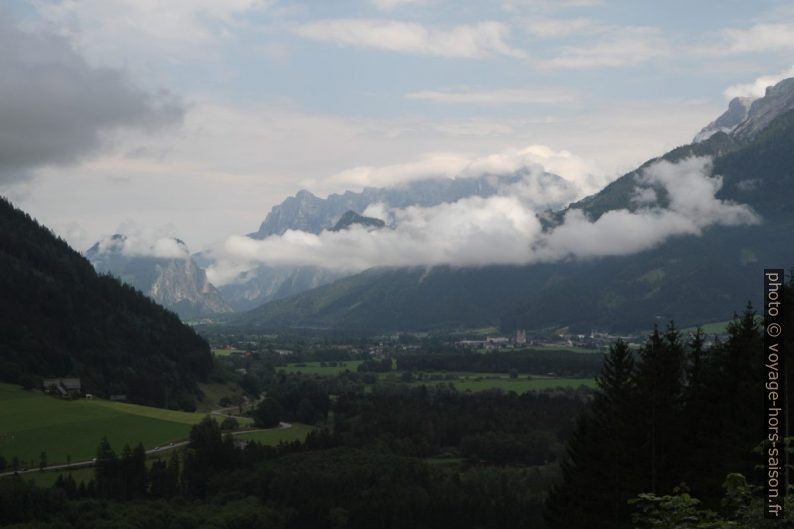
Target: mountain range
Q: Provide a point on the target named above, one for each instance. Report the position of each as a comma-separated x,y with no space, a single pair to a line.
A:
306,212
689,279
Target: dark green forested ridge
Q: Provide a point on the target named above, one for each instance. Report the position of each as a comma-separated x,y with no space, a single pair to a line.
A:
59,318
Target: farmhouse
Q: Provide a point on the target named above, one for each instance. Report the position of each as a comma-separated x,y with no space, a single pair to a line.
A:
63,387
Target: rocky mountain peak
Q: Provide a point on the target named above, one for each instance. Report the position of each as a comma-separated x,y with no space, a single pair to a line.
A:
351,217
738,109
163,270
778,100
747,116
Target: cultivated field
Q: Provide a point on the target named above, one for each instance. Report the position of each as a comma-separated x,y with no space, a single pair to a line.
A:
519,385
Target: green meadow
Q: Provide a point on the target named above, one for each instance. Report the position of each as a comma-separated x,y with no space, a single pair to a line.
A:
314,368
462,381
297,432
32,422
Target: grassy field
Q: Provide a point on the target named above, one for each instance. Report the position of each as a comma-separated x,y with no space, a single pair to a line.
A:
719,327
297,432
31,423
485,381
565,348
223,351
463,381
214,392
314,368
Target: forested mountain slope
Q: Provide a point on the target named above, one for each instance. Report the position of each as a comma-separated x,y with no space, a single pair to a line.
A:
59,317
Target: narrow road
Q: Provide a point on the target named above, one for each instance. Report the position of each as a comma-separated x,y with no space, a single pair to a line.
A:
155,450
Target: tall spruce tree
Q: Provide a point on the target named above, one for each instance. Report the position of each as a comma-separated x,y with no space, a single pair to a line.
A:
598,470
660,402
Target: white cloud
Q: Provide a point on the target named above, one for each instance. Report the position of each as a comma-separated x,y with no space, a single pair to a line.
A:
464,41
758,87
140,31
548,5
495,97
757,38
390,5
620,46
581,173
692,208
559,27
144,245
472,231
498,230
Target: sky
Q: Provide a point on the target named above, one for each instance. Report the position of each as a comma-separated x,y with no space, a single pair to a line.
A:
192,118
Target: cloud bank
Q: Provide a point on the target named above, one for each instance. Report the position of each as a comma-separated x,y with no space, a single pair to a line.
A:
54,107
692,207
500,230
579,172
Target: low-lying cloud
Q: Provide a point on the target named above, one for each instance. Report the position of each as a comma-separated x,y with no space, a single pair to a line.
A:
54,107
141,244
692,207
502,229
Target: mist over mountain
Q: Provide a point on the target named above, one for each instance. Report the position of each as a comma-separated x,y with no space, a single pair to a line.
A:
267,283
309,213
163,270
246,281
685,237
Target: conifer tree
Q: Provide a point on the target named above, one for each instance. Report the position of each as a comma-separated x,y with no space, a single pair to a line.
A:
598,470
107,475
659,401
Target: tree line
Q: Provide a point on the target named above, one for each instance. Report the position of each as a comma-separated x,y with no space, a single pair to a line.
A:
676,416
559,362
